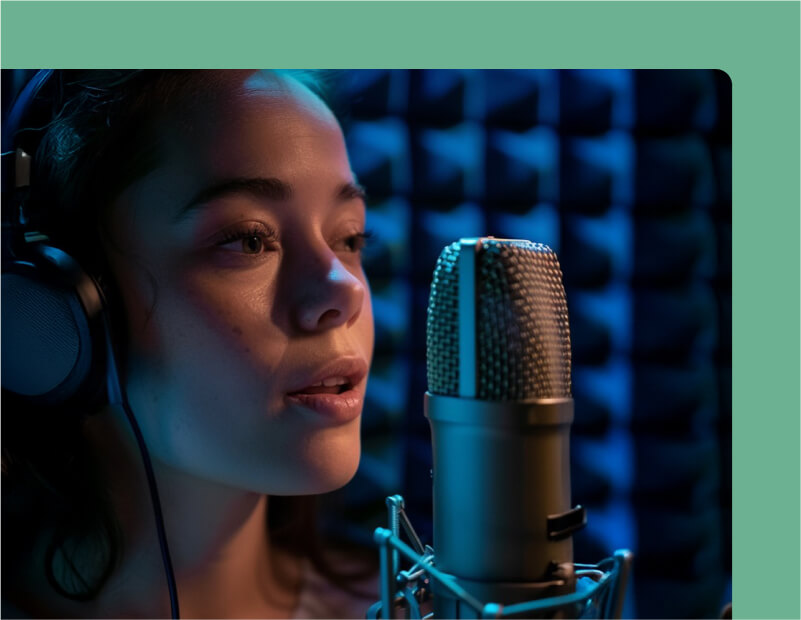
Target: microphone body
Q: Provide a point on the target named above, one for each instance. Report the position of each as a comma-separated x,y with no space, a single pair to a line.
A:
499,406
501,469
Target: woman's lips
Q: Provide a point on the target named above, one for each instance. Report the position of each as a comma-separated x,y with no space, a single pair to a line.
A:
339,402
339,408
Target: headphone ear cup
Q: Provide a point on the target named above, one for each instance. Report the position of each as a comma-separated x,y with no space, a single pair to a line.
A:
53,347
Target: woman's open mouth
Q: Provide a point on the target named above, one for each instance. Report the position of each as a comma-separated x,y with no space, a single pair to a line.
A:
335,385
335,391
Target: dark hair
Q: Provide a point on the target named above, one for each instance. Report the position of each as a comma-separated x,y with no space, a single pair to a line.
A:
102,135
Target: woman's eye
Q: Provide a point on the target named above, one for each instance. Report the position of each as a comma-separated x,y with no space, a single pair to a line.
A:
355,243
252,245
251,242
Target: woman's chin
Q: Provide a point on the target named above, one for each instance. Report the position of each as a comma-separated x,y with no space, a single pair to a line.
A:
312,482
332,469
321,467
314,463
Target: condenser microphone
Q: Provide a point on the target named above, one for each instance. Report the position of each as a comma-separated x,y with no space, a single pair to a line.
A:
499,405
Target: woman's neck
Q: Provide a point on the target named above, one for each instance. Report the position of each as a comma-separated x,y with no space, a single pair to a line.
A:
224,563
239,573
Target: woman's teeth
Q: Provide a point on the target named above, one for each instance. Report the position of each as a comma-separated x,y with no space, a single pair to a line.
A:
332,385
321,389
331,382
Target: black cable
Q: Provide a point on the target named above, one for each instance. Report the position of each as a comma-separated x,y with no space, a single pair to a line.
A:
117,395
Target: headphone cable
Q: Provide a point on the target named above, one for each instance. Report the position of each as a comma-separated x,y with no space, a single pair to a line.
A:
117,395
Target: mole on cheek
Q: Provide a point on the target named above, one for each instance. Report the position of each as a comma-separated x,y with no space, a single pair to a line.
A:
237,331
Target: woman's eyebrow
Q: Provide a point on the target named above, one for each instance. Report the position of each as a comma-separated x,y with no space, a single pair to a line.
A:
268,188
351,190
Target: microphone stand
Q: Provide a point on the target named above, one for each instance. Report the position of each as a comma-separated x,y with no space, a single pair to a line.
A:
412,588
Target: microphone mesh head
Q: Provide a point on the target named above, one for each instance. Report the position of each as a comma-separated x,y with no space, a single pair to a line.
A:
523,335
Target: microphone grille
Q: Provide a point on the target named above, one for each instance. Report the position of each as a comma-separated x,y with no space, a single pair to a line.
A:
522,330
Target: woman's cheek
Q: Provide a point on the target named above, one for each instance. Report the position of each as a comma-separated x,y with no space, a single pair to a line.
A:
138,294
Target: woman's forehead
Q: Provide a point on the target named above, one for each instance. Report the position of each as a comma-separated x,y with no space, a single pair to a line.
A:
241,92
255,126
240,113
241,106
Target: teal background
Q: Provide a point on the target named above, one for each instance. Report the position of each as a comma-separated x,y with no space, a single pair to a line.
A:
756,43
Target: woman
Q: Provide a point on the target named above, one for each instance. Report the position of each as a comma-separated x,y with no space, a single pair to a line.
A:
221,213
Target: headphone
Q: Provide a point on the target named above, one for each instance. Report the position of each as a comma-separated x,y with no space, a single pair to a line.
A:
54,346
56,338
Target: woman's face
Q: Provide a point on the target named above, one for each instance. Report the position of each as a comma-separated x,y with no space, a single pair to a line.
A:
249,313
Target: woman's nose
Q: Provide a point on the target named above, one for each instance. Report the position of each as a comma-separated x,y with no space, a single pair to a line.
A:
332,297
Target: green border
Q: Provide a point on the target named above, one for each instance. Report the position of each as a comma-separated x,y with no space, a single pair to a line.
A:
756,43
